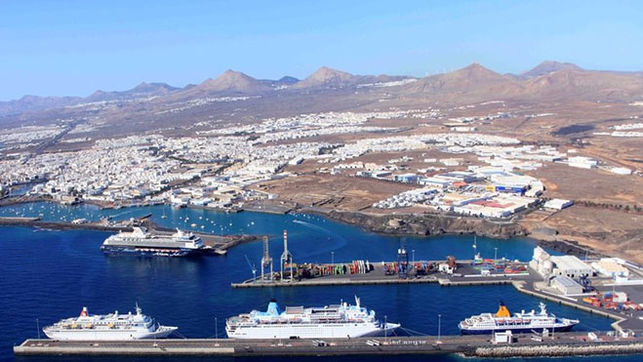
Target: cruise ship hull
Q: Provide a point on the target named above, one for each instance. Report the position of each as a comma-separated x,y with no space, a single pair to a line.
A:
309,330
146,251
107,334
517,329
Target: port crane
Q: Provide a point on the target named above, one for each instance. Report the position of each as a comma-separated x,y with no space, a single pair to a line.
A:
253,268
403,260
286,258
266,261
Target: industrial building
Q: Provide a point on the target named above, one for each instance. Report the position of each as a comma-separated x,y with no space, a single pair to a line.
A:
582,162
558,204
610,267
435,182
565,265
408,178
541,262
570,266
566,285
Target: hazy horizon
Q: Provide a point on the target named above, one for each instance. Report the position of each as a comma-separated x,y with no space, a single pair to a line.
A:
74,49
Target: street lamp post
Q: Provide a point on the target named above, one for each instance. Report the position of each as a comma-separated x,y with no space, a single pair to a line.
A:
439,326
385,325
216,328
495,254
413,253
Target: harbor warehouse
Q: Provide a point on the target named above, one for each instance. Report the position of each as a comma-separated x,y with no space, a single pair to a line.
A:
566,285
570,266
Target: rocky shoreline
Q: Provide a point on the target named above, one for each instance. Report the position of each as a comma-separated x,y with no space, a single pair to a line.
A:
434,225
423,224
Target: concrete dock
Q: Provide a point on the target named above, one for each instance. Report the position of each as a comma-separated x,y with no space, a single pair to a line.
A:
524,345
218,244
466,275
528,283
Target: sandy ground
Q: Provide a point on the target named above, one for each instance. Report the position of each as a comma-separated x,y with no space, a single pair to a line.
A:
562,181
608,231
332,191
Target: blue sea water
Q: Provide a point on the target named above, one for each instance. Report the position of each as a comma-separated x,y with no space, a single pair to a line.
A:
48,275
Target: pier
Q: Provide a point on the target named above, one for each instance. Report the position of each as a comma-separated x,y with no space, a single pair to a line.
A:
378,275
528,282
563,344
217,244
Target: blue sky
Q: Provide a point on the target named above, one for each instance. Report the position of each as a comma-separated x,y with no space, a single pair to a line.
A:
75,47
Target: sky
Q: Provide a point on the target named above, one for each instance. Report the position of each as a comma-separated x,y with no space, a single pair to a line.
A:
76,47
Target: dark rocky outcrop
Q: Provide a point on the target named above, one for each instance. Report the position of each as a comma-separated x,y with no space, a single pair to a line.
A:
428,224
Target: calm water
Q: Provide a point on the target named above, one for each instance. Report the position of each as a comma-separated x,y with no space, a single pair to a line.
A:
52,274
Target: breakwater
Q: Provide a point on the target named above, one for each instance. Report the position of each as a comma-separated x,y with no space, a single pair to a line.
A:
560,350
565,344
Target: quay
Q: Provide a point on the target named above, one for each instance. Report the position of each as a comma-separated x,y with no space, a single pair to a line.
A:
57,225
465,276
562,344
218,244
528,282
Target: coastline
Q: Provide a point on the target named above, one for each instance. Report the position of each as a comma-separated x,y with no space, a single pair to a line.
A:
428,225
402,224
215,242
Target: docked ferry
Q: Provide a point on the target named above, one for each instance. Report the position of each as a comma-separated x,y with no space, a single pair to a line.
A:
333,321
140,242
108,327
522,322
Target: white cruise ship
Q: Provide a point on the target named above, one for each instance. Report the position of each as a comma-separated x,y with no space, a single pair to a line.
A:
141,242
109,327
333,321
522,322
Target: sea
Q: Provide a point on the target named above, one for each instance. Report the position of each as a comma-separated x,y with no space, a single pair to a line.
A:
46,275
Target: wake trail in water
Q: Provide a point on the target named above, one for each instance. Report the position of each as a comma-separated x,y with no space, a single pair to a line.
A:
121,214
335,237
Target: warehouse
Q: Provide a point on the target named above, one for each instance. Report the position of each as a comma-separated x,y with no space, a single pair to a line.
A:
558,204
406,178
566,285
570,266
610,268
582,162
435,182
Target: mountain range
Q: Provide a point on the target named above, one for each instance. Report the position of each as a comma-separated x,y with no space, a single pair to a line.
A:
549,80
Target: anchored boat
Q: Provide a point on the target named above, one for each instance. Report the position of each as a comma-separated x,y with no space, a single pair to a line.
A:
332,321
522,322
108,327
140,242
